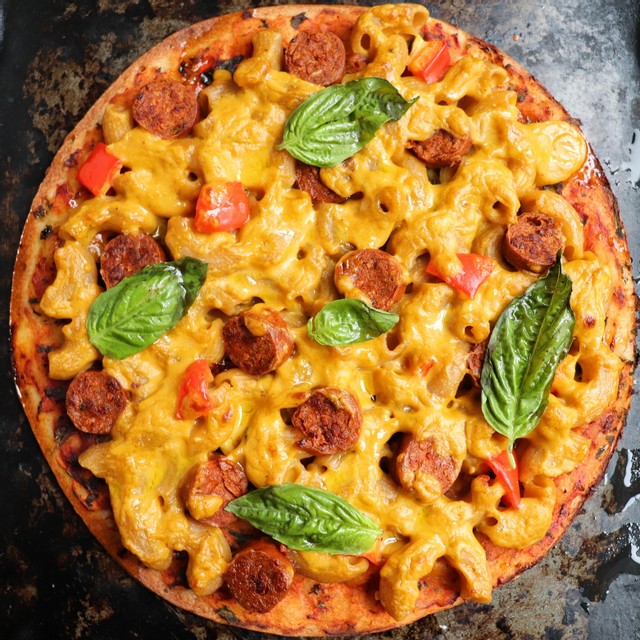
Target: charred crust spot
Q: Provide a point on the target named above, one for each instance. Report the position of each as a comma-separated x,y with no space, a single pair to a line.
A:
39,212
72,160
298,19
176,575
46,232
230,64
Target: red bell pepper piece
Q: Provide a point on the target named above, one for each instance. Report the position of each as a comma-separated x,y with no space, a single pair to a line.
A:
475,270
221,207
429,59
97,173
506,471
193,393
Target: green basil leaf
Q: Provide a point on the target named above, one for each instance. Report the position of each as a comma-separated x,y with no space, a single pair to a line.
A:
307,519
338,121
348,321
194,273
530,339
143,307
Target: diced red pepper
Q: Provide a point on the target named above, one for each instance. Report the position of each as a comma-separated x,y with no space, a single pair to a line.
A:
475,270
97,173
429,59
507,475
193,393
221,207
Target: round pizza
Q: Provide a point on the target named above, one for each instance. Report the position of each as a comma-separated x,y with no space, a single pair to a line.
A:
323,318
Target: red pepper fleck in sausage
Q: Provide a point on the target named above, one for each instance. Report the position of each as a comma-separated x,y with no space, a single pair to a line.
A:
475,360
422,457
372,275
317,57
259,576
532,242
125,255
308,179
217,476
329,421
442,149
94,401
166,108
257,340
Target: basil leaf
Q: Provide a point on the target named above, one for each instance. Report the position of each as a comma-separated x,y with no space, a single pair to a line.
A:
194,273
349,320
530,339
307,519
143,307
338,121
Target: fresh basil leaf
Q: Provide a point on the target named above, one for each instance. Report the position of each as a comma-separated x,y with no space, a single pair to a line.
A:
194,273
338,121
348,321
530,339
307,519
143,307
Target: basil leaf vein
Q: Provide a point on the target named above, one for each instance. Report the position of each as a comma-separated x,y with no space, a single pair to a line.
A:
349,321
129,317
307,519
531,337
338,121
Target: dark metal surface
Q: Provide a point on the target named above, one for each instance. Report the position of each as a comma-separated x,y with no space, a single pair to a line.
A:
56,582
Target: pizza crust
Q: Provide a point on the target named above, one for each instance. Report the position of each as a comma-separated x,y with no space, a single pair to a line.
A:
309,609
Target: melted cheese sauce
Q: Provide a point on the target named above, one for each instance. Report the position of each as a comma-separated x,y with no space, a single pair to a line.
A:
407,381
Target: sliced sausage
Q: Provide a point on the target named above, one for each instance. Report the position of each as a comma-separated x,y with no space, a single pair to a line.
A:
371,275
217,477
329,420
442,149
257,340
317,57
532,242
166,108
417,457
94,401
259,576
127,254
308,179
475,360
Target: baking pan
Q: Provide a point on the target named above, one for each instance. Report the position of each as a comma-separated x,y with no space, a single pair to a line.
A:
56,582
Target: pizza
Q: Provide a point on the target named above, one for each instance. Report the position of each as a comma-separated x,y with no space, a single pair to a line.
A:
323,318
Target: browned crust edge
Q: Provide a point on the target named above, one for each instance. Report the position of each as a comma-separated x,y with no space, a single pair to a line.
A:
308,609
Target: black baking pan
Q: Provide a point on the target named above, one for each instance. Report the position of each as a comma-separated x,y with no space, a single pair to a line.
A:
56,582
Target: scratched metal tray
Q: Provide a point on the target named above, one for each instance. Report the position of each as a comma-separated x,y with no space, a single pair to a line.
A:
56,582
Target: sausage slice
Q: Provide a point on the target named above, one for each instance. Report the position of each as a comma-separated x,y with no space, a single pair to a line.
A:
257,340
259,576
125,255
166,108
94,401
532,242
329,420
372,275
475,360
317,57
215,478
442,149
308,179
418,457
